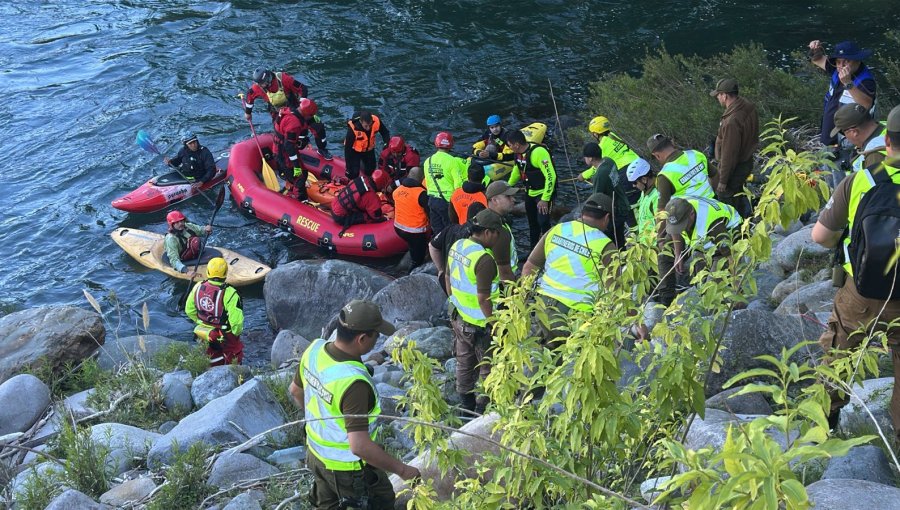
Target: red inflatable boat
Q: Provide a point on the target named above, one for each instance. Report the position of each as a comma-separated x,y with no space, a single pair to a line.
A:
310,222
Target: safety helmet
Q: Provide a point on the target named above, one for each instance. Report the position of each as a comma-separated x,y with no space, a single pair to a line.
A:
262,76
599,125
637,169
189,136
174,217
493,120
381,179
396,145
217,268
443,140
308,107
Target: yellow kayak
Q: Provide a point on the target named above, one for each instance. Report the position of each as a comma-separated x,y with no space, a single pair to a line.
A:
148,249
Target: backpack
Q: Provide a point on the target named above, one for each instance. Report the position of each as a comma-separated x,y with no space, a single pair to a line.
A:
875,237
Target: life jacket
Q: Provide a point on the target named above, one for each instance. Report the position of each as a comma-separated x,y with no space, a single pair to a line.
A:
396,164
192,164
364,142
408,214
348,198
209,299
183,237
573,252
862,74
532,176
325,381
460,201
689,175
277,98
874,225
464,255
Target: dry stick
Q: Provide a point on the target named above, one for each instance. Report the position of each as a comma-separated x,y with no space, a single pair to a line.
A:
599,488
246,484
291,499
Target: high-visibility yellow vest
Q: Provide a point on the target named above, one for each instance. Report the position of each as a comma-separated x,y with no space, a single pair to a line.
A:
646,214
875,144
443,174
689,175
463,256
862,183
709,211
324,383
614,148
513,254
573,252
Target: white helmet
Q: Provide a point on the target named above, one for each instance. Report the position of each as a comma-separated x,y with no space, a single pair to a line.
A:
637,169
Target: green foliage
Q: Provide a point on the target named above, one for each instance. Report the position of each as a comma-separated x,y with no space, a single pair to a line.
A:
185,485
887,74
134,395
182,356
671,95
40,488
86,469
72,379
295,434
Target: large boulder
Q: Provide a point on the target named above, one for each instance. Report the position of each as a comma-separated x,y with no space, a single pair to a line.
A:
876,395
176,390
752,333
286,347
232,468
121,351
212,384
130,491
471,448
244,501
845,494
23,399
786,287
866,462
250,409
436,343
816,298
74,500
766,282
304,295
411,298
47,336
797,247
124,443
77,405
749,403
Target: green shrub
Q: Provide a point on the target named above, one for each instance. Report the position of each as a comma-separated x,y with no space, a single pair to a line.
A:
185,485
39,489
73,378
295,434
135,393
182,356
86,469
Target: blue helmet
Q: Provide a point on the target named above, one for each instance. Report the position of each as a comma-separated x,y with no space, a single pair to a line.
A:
493,120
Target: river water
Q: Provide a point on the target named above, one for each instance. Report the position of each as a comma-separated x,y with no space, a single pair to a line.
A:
81,77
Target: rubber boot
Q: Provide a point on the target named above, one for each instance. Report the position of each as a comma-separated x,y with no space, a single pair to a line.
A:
466,406
834,419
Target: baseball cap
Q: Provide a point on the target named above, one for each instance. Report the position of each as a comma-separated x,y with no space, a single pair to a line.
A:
849,116
362,315
656,141
591,150
726,85
893,120
497,188
488,219
599,202
679,218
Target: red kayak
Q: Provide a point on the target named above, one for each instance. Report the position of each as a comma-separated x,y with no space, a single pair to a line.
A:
308,221
162,191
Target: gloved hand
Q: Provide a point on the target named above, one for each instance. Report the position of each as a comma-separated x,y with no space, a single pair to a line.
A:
298,171
302,142
215,339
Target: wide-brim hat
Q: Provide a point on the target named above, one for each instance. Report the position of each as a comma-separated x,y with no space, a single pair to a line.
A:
850,51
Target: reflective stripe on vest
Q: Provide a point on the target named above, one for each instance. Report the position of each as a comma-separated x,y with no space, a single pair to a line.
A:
209,299
532,176
513,254
464,254
277,98
460,202
689,175
708,212
440,179
862,183
647,205
364,142
875,144
408,214
614,148
573,252
324,383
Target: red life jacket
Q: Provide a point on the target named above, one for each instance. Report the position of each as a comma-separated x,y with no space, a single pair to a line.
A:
348,198
210,302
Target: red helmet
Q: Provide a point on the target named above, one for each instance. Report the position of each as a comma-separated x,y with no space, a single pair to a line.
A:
174,217
397,145
308,107
381,179
443,140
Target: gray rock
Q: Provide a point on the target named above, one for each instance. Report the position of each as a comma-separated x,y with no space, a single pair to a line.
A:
786,287
411,298
120,351
74,500
251,407
866,462
836,494
47,336
119,461
436,343
304,295
653,314
751,403
232,468
288,458
167,426
243,501
403,331
760,304
793,227
212,384
77,406
44,470
815,297
388,395
650,488
876,394
176,394
183,376
392,375
128,491
752,333
287,346
124,443
797,246
709,431
403,440
23,399
766,282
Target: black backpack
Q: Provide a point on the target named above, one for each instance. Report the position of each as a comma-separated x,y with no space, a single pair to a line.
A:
875,237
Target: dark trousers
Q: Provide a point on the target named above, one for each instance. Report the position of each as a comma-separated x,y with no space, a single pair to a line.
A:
618,227
469,344
418,245
357,161
318,130
537,223
438,213
735,185
333,490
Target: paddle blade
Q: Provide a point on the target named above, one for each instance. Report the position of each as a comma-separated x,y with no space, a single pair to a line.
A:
269,177
145,142
220,199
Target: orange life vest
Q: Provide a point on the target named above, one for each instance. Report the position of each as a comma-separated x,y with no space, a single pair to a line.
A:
460,201
365,141
408,214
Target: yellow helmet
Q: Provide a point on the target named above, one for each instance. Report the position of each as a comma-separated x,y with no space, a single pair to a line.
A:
217,268
599,125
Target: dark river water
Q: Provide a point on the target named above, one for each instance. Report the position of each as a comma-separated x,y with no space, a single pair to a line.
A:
81,77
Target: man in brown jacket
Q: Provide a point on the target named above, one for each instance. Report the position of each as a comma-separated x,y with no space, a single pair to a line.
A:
736,142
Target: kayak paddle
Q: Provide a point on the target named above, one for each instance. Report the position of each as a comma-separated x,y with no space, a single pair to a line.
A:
269,178
145,142
219,201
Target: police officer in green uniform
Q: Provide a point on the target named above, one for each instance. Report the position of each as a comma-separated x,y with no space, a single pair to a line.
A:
613,147
699,224
331,381
867,135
